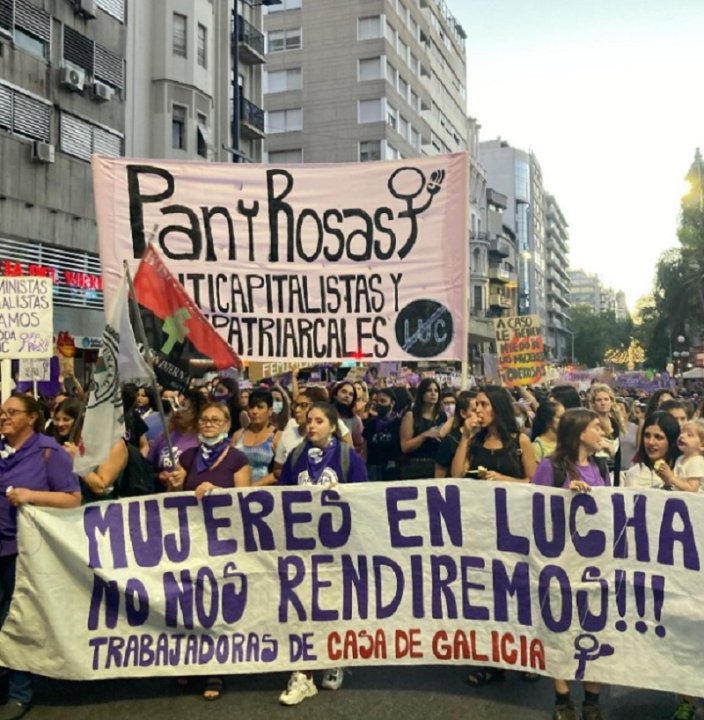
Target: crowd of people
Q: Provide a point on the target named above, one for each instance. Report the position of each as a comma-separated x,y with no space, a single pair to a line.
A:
311,434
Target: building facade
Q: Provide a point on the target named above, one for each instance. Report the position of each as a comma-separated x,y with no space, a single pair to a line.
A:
195,65
363,80
62,98
558,331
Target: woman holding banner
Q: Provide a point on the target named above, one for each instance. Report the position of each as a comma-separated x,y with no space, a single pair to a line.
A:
34,470
573,466
325,461
497,451
213,465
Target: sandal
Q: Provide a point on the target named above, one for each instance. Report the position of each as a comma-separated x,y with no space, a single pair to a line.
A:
213,688
485,676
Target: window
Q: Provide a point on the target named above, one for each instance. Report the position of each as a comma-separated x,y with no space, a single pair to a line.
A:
390,152
415,101
369,111
280,40
81,138
202,135
415,138
391,74
282,80
178,127
370,150
282,157
116,8
478,303
29,26
403,127
369,68
285,5
414,64
179,31
369,27
391,116
403,50
202,45
402,88
279,121
24,114
390,34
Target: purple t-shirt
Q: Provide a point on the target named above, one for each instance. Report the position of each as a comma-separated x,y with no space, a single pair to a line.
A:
223,475
591,475
28,468
332,473
180,442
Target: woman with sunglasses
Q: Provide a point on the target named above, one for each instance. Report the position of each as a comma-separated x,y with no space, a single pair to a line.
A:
213,465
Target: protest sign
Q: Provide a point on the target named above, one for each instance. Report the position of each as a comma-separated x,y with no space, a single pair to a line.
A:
307,262
571,585
519,344
26,317
260,370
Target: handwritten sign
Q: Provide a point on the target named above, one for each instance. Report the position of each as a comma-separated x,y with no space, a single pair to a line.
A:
26,317
520,349
583,586
308,262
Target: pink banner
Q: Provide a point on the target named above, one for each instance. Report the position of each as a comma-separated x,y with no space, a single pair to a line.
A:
305,262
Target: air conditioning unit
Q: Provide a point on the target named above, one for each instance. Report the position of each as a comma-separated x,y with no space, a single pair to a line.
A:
87,8
72,78
101,91
43,152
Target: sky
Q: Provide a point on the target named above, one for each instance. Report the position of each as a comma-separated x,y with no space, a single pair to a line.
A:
609,96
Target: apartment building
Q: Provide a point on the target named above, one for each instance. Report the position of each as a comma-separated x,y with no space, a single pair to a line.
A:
363,80
557,333
62,98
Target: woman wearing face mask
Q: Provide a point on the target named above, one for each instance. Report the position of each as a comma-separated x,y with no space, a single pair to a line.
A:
226,390
382,437
213,465
464,405
281,407
344,399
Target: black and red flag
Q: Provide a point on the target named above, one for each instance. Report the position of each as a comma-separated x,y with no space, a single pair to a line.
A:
176,330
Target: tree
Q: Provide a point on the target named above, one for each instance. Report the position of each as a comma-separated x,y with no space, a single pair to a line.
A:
595,333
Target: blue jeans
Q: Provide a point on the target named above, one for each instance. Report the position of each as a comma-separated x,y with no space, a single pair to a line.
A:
21,683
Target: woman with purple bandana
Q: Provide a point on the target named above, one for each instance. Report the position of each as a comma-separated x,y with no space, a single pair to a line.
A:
213,465
34,470
325,461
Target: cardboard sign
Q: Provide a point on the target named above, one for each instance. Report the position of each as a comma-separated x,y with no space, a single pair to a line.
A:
26,317
520,349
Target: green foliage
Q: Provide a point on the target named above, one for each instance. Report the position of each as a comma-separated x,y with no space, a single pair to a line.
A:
595,333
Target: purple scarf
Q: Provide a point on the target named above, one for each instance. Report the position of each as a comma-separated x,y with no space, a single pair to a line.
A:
208,454
318,459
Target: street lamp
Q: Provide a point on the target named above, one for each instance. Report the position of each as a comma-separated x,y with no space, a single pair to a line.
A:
236,153
680,356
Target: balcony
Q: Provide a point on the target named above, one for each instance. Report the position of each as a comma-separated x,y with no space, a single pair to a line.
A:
499,301
251,120
251,42
500,273
500,246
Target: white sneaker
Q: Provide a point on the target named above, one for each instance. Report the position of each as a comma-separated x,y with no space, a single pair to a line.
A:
300,687
333,678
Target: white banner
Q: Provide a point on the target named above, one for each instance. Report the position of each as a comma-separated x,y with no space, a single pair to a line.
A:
26,317
304,262
604,586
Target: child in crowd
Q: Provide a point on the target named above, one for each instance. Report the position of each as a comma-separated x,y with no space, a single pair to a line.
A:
688,476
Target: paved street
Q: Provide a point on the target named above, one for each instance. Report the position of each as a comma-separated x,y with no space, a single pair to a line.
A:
369,693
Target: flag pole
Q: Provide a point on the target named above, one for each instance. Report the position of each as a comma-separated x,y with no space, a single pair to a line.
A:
142,337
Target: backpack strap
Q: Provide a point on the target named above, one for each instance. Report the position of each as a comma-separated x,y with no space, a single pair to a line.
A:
558,473
603,464
296,453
